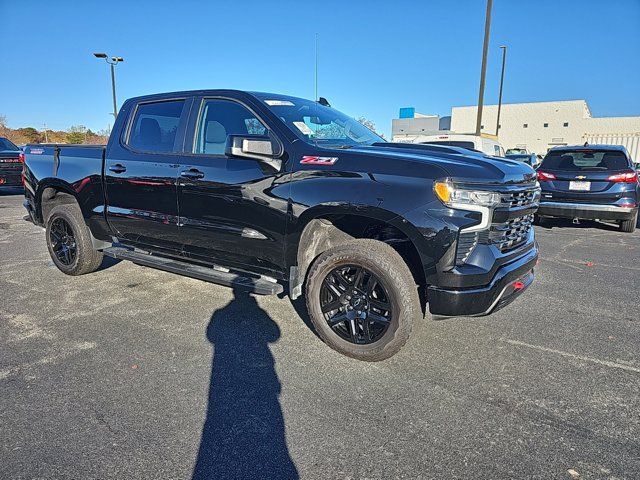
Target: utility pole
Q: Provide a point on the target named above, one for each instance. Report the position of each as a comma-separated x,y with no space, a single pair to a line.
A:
483,71
316,72
113,89
504,59
46,135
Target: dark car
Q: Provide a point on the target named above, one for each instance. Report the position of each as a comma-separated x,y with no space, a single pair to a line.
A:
596,182
11,158
270,192
529,158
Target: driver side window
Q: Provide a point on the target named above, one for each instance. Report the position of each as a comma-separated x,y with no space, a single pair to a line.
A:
221,118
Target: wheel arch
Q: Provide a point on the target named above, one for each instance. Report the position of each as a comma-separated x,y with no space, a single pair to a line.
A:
52,192
324,227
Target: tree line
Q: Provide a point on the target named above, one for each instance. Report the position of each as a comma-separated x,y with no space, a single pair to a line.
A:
76,134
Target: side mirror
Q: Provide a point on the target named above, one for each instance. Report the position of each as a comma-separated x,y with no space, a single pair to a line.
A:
264,148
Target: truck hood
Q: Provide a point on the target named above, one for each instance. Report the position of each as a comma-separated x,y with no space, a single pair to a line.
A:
464,166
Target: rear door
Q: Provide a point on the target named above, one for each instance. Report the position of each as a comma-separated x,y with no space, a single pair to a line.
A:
141,172
232,210
584,175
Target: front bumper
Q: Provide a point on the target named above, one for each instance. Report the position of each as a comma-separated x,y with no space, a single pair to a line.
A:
587,211
508,283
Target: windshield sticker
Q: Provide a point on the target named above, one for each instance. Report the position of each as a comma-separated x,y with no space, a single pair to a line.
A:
304,128
313,160
279,103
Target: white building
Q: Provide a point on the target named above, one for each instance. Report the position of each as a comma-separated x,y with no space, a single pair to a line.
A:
540,126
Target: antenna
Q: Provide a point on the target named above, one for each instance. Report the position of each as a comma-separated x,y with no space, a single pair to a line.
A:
315,97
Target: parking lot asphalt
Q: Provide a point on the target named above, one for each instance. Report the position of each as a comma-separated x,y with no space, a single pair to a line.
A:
131,372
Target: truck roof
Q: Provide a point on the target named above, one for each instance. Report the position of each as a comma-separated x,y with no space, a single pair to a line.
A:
213,92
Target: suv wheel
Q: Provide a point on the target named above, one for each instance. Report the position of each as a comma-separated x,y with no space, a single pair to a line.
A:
362,299
629,226
69,241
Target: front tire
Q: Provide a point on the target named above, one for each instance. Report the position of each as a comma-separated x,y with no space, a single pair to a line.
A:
362,299
69,241
628,226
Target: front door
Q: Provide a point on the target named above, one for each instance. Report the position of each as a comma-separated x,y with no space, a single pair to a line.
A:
232,211
140,179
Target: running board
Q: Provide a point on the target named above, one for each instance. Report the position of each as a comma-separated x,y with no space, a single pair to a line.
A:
258,285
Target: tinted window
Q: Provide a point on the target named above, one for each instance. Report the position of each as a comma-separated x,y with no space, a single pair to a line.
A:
454,143
221,118
155,126
585,160
5,144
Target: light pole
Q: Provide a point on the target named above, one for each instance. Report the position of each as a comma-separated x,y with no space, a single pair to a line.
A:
504,59
483,70
112,63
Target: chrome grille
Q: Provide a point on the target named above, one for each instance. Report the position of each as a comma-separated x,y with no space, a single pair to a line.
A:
508,235
521,198
505,236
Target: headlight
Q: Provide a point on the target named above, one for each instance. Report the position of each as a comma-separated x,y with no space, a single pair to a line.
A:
455,197
465,199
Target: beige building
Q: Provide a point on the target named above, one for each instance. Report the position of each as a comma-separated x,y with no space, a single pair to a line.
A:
540,126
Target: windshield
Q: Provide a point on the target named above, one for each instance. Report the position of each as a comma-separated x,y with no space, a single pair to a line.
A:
5,144
579,160
321,125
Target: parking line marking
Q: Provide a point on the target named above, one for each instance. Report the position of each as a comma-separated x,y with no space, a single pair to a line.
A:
605,363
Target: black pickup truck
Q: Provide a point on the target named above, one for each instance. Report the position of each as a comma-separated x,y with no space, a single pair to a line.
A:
278,194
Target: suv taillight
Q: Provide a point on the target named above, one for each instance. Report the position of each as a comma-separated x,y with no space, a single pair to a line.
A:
545,177
21,159
626,177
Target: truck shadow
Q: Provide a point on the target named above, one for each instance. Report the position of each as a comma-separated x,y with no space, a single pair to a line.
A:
243,434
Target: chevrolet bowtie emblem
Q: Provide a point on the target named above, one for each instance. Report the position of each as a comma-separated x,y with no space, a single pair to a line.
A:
580,177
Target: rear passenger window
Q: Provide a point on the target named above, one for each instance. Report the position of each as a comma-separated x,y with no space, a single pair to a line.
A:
155,126
221,118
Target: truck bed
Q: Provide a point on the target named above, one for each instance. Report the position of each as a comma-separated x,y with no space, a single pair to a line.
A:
77,166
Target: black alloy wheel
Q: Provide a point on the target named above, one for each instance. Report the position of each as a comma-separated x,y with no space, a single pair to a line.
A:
355,304
63,241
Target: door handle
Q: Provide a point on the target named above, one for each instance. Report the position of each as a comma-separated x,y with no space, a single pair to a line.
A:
192,173
118,168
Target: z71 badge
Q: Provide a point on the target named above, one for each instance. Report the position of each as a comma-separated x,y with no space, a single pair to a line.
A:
313,160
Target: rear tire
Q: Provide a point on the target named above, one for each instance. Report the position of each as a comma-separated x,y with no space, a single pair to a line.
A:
370,279
628,226
69,241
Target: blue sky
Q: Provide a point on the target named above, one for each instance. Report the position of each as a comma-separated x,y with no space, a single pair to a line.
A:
375,57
